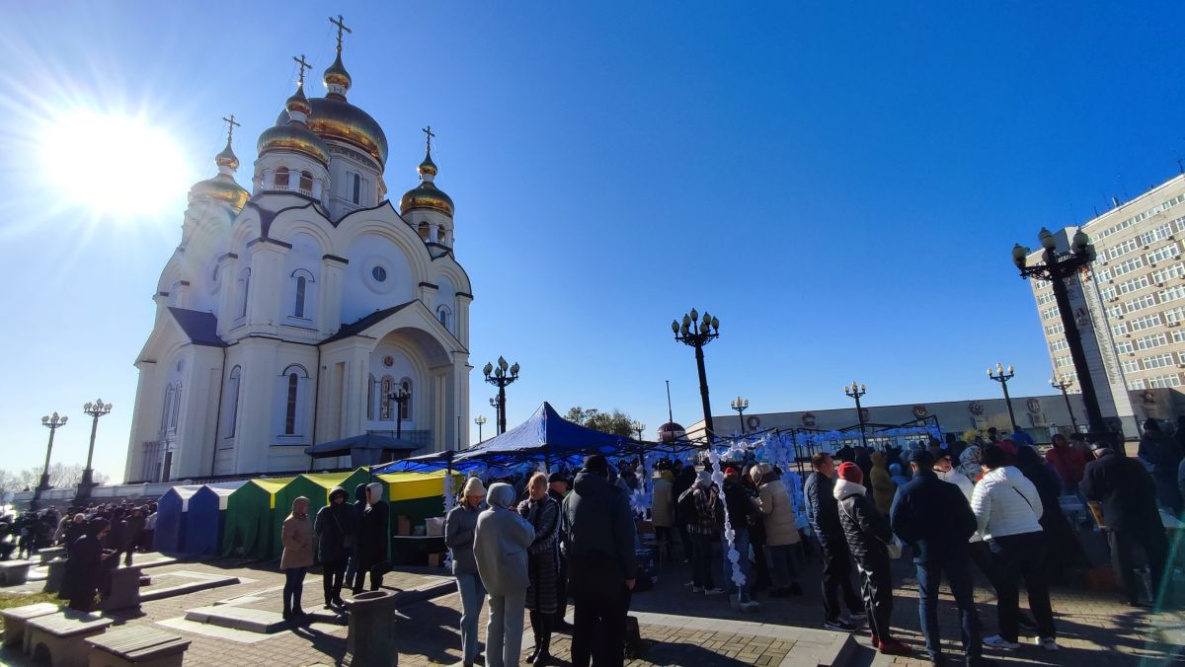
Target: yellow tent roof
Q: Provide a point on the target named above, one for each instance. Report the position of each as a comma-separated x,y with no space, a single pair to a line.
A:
413,485
272,485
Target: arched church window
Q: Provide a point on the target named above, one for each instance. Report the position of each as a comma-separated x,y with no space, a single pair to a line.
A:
301,282
290,413
300,304
424,230
232,400
281,180
370,387
167,411
244,288
306,183
385,389
356,187
405,409
445,317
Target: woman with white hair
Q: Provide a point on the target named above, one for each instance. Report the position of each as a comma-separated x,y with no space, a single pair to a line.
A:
543,513
460,526
500,546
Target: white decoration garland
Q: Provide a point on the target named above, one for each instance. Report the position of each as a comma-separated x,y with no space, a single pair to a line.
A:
734,557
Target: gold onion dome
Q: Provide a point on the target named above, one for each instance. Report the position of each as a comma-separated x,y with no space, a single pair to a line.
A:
336,74
291,134
222,187
337,120
426,194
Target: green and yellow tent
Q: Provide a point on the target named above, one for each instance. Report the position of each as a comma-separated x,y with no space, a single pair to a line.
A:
249,518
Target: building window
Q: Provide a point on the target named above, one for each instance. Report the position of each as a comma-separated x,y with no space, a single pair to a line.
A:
244,289
385,412
1131,366
405,409
370,387
300,305
306,183
1135,385
445,317
232,400
1149,342
292,383
300,287
356,188
1164,381
290,413
379,274
1158,361
282,178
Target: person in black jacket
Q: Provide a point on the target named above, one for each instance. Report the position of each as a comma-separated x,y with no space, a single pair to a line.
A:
373,540
823,513
684,479
334,528
86,566
1068,554
868,535
598,533
1126,492
936,520
742,511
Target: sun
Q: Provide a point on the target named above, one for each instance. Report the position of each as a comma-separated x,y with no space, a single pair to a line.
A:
117,166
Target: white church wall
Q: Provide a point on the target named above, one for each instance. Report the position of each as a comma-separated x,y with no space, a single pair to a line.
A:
378,276
301,286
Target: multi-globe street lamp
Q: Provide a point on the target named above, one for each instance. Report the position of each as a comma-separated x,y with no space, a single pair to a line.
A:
1003,376
639,427
697,333
1062,383
95,410
401,395
1055,268
501,376
856,391
740,405
53,424
480,420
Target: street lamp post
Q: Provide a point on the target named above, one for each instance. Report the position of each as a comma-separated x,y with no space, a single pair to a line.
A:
1062,383
53,424
1056,268
1002,376
639,427
401,395
697,333
480,420
740,405
856,391
95,410
500,376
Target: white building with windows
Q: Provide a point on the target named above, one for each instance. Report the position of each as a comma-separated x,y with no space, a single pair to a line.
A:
1130,305
289,314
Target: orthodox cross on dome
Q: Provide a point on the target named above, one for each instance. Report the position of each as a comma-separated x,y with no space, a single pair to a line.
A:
428,133
231,124
303,66
341,26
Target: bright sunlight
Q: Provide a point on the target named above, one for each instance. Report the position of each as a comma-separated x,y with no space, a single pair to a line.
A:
118,166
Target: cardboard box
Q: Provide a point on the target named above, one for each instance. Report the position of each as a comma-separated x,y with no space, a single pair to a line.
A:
404,525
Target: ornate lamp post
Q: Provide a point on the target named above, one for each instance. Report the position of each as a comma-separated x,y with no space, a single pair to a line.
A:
1002,376
53,424
480,420
856,391
401,395
1062,383
698,333
639,427
500,376
95,410
1056,268
740,405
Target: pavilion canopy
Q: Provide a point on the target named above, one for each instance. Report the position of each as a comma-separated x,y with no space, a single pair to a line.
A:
363,450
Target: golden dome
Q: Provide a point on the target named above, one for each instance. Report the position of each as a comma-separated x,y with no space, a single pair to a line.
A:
337,75
227,158
298,101
293,137
426,194
338,120
221,188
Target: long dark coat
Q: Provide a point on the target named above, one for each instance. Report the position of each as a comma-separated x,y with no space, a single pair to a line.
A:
543,556
84,572
372,536
334,528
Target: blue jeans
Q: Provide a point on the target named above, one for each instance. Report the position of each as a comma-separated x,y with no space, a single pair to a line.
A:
504,632
741,542
473,595
781,565
958,575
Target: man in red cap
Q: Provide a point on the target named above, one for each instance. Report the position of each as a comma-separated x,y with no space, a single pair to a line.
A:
868,535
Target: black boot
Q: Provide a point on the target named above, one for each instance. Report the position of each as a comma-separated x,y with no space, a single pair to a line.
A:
543,643
535,622
287,606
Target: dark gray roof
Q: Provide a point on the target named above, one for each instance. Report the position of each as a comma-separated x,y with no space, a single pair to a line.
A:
355,328
202,328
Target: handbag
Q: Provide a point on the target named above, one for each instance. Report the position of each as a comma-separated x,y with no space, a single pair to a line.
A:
894,547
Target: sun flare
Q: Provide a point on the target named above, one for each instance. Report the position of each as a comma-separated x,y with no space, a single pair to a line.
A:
112,165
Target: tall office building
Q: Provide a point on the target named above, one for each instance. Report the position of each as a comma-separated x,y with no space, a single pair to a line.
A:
1130,304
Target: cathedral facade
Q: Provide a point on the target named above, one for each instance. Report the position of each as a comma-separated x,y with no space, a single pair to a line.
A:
294,314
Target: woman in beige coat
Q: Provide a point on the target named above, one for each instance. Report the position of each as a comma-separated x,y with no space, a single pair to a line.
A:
781,530
297,538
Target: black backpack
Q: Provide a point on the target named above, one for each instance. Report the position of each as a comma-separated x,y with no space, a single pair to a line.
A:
687,506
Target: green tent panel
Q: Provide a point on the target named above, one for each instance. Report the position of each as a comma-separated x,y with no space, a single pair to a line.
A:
249,512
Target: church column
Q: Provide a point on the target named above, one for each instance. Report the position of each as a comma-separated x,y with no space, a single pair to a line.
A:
332,278
356,384
434,232
269,179
460,377
144,427
265,295
226,293
257,387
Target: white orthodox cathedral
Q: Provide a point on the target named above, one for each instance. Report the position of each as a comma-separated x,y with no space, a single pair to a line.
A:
290,314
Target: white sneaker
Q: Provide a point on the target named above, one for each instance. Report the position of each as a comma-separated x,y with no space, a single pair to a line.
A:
996,641
1047,643
714,591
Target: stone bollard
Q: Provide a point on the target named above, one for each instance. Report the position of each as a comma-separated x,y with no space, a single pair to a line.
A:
49,553
57,572
125,589
371,640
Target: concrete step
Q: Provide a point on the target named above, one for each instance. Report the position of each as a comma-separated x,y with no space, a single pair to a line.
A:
257,620
185,589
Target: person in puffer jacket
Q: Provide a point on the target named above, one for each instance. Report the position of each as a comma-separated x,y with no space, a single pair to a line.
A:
867,532
1008,511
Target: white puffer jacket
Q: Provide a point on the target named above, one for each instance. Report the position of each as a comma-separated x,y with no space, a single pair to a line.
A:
1006,503
956,477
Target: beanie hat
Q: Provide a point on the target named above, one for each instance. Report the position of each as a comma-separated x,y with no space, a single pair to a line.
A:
704,479
473,487
557,476
851,472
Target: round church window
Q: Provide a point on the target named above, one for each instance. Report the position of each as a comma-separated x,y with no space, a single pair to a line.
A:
379,273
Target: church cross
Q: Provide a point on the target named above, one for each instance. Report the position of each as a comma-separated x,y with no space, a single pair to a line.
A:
231,124
341,25
303,66
429,134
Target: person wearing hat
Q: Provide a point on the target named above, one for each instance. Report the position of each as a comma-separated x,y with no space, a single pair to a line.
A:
86,566
742,511
704,528
936,520
459,527
868,535
557,487
334,528
1125,490
500,545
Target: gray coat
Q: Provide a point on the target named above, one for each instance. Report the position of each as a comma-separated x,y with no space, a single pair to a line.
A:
500,546
459,528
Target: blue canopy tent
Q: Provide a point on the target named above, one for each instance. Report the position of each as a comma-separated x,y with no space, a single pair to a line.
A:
172,512
364,450
207,518
545,436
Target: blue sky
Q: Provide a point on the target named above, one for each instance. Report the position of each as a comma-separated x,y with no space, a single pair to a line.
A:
840,185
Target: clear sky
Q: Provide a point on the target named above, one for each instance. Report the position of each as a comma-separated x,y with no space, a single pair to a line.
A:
840,183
